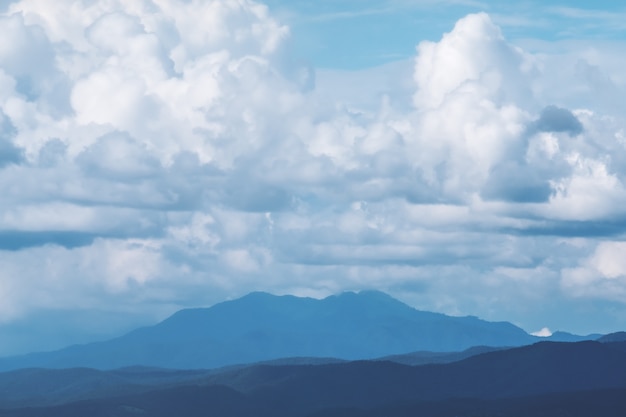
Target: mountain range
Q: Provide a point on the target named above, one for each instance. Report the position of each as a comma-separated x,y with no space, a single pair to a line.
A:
261,327
543,379
351,355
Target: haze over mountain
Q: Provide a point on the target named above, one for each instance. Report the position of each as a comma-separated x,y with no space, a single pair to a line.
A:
261,327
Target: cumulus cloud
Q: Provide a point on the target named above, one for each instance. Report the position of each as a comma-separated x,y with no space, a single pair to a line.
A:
161,154
602,275
470,89
473,58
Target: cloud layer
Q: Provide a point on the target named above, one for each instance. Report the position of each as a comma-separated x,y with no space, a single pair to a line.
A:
160,154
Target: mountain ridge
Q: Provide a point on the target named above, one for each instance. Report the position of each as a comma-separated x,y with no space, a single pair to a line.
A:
516,378
261,326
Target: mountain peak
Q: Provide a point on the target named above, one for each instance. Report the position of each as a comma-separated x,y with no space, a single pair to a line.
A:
371,295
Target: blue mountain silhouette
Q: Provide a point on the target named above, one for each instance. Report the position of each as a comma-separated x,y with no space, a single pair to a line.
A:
262,326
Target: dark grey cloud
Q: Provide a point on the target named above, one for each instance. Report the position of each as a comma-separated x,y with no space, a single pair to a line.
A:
605,228
557,119
146,225
17,240
9,153
52,153
257,197
517,183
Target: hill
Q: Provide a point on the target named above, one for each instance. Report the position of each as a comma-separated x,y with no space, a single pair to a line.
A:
544,379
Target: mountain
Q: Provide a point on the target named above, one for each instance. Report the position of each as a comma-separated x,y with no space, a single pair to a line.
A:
544,379
613,337
537,369
597,403
48,387
569,337
425,357
261,327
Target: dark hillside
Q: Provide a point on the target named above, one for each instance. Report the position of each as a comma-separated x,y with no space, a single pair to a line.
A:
544,379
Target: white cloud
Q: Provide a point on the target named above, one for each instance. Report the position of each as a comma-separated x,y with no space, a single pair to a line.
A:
81,278
544,332
592,192
474,58
187,162
602,275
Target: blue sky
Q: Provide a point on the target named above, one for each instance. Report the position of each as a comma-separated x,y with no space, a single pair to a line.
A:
357,34
466,157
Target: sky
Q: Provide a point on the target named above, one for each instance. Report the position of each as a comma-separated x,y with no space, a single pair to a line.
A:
466,157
